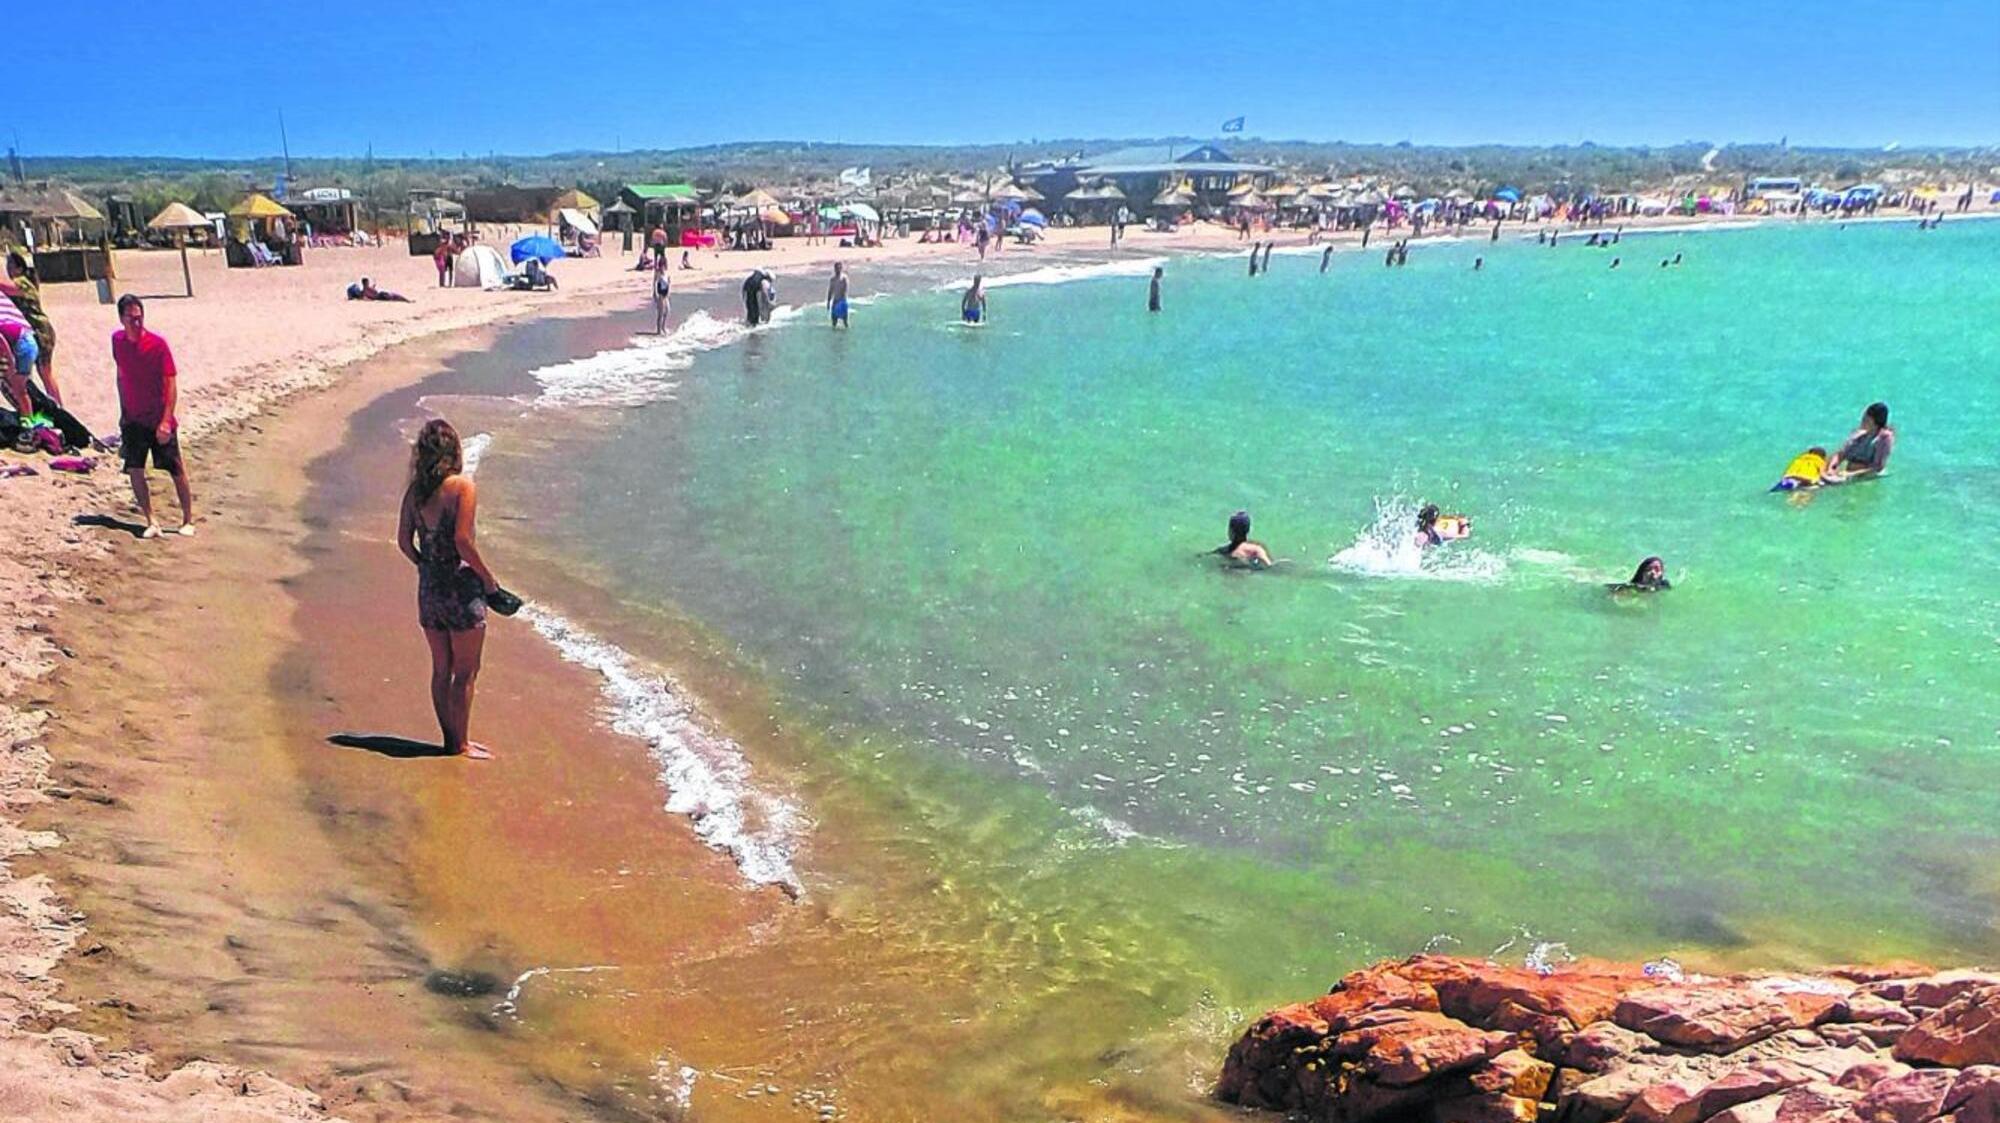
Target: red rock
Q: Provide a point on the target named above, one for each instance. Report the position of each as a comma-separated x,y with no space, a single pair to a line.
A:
1912,1097
1598,1045
1975,1096
1657,1103
1931,991
1751,1082
1872,1008
1377,988
1816,1102
1720,1017
1495,997
1514,1073
1879,972
1756,1111
1867,1074
1403,1047
1489,1108
1965,1031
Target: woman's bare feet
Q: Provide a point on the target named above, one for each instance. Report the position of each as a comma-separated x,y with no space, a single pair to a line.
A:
473,750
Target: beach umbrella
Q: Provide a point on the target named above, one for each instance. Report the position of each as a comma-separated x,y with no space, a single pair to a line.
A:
862,211
180,218
1241,189
257,205
968,198
1250,201
776,216
1033,217
1508,194
536,245
1016,192
757,199
1174,197
573,199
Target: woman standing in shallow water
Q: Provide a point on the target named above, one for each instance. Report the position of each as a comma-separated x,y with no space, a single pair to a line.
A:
435,532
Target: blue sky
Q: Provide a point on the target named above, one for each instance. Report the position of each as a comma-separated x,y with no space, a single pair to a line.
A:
676,74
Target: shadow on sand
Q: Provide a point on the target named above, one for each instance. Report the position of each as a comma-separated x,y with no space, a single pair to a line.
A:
110,523
388,744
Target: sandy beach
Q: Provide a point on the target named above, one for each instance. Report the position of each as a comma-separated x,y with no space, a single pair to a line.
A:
207,910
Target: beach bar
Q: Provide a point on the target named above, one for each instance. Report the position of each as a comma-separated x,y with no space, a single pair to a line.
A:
675,206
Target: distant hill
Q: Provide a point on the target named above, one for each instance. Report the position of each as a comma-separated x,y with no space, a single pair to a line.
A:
384,181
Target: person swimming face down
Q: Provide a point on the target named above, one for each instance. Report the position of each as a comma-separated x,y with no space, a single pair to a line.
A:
1240,548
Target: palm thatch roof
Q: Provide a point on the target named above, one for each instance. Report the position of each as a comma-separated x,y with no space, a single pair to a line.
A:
257,205
176,216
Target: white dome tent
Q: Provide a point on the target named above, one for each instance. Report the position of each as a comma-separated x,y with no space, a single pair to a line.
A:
481,266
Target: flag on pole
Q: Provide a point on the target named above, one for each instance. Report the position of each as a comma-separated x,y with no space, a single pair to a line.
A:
1233,125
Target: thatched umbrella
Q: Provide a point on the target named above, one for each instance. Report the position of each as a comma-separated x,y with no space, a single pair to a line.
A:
258,205
179,218
968,198
573,199
1244,188
1016,192
757,199
1173,198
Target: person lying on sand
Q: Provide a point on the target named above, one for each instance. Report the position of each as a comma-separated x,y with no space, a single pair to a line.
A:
366,290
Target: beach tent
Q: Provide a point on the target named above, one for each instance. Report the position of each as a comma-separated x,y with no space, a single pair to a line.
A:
180,218
480,266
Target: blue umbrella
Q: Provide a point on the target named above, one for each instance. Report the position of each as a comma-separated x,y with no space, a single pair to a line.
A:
1508,194
536,245
1032,217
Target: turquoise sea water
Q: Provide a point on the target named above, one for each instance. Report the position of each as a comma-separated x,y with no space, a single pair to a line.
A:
974,561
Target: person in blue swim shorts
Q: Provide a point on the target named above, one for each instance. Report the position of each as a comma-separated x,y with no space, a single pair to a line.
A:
836,296
973,308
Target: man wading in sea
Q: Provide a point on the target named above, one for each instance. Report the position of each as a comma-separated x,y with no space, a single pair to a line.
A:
836,296
1153,291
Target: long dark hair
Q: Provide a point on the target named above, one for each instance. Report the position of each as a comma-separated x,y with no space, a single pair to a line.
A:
1639,575
434,457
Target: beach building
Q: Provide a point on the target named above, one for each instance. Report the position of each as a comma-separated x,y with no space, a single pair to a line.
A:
511,204
1145,172
675,206
328,212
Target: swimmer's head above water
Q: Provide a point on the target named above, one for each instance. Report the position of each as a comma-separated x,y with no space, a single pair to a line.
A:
1239,529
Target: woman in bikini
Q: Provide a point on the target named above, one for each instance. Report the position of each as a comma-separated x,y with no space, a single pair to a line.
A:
436,533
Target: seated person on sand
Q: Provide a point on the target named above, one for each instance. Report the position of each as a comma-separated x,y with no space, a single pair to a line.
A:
1866,451
1650,577
1804,471
537,275
1239,550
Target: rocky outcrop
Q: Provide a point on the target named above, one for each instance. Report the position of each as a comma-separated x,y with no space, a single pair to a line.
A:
1440,1040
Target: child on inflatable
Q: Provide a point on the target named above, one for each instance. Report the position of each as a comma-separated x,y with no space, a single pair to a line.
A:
1804,470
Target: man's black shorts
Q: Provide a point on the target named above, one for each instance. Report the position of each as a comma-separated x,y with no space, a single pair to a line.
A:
135,441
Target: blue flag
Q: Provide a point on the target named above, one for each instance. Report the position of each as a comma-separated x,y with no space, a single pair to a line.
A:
1233,125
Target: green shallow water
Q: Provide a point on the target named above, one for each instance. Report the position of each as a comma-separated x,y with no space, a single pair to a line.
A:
972,559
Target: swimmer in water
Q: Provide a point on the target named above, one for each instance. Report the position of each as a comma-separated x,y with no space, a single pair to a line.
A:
1478,263
972,309
1866,451
1325,259
1650,577
1240,551
1427,527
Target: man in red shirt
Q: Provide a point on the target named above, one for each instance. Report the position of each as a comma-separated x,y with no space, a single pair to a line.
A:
146,394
